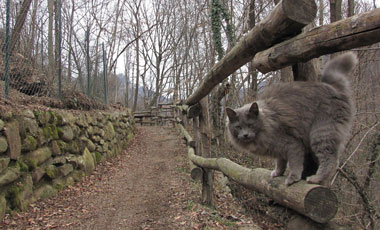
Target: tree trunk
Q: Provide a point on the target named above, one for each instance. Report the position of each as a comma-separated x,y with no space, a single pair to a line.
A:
176,79
127,65
56,36
252,88
321,9
357,31
286,74
286,19
51,58
33,34
306,71
351,8
20,20
137,35
137,75
335,10
70,37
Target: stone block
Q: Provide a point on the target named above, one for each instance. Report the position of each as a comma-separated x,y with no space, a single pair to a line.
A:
44,117
66,133
65,169
9,175
55,148
3,206
38,156
61,160
62,182
3,144
29,144
37,174
21,193
28,126
89,162
4,162
14,141
44,191
52,171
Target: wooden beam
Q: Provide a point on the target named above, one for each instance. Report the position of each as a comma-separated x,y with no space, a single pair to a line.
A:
314,201
286,19
184,108
204,136
196,172
189,140
359,30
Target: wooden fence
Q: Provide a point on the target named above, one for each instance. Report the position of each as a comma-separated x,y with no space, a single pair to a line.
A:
160,115
269,47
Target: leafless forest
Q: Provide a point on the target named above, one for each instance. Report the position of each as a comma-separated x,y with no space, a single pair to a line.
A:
159,50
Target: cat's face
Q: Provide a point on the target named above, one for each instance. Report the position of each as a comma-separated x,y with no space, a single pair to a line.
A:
244,123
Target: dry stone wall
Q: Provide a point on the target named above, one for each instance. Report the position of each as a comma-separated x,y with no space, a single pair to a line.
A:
41,152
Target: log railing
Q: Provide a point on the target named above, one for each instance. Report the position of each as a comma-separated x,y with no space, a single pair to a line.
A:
314,201
287,19
356,31
269,46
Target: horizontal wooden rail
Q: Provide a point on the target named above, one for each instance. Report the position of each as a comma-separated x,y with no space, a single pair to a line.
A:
189,140
286,19
314,201
356,31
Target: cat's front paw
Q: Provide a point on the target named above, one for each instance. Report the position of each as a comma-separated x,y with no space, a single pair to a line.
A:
291,179
314,179
276,173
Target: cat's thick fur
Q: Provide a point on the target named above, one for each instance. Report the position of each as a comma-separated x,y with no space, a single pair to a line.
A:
299,123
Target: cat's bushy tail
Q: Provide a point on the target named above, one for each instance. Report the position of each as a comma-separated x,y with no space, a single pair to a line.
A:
337,69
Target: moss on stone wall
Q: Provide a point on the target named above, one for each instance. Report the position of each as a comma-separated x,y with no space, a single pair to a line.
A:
52,149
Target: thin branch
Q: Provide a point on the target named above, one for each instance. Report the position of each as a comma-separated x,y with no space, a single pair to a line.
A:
129,43
354,152
369,209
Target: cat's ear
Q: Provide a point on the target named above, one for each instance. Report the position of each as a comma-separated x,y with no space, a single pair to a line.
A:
254,109
231,114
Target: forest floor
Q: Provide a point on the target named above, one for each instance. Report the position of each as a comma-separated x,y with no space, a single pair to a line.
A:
148,186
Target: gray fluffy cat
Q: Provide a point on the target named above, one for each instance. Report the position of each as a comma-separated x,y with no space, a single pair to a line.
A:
302,124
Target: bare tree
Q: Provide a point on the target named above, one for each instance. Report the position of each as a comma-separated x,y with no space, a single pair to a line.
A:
335,10
20,20
135,8
51,57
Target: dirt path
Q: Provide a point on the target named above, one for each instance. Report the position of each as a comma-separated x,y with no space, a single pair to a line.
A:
147,187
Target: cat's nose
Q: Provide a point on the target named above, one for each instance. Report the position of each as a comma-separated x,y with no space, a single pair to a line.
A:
245,136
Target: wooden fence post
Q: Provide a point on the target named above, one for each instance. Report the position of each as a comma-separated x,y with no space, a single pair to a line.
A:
205,143
196,172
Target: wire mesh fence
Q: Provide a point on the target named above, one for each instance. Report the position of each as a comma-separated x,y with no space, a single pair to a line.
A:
43,78
23,77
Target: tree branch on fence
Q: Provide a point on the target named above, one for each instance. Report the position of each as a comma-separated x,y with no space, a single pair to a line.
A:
357,31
